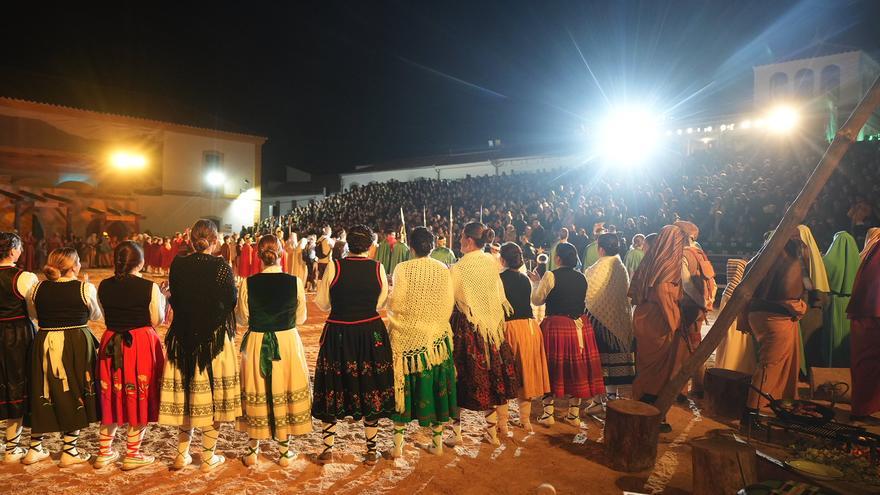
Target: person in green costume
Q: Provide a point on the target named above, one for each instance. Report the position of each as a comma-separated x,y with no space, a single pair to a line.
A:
563,237
442,253
399,254
635,254
841,264
383,252
591,254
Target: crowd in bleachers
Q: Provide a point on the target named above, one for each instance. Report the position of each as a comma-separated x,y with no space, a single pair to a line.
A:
733,196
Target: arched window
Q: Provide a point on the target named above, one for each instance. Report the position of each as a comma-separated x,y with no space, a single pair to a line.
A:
831,81
803,83
778,85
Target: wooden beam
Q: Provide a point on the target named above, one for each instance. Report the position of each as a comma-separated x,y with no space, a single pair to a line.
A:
773,248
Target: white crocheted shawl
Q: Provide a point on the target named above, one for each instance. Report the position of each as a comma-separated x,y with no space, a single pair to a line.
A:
607,284
479,295
419,307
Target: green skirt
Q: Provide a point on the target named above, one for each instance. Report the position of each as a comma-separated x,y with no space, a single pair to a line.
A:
430,395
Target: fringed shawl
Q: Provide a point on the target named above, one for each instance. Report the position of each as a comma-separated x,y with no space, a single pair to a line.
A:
607,283
203,296
479,295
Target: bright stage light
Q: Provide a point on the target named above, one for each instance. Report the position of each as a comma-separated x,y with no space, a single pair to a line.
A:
723,127
746,124
708,129
215,178
126,161
629,135
759,123
690,130
679,131
782,119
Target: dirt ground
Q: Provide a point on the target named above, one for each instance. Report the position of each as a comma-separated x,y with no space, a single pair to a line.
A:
570,459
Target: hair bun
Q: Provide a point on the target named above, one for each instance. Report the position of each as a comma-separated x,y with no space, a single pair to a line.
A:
488,235
201,244
51,272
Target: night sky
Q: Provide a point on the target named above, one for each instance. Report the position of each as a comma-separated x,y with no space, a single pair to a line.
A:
337,84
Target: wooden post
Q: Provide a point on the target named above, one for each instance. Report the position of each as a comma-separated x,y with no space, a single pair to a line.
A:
722,466
631,431
773,248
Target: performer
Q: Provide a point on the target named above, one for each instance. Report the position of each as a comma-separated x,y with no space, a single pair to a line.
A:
323,251
610,314
442,253
62,394
591,254
226,249
656,293
383,251
200,385
374,245
167,256
737,351
419,308
864,315
244,261
354,375
563,237
772,316
130,359
572,354
698,288
841,264
17,343
399,254
635,254
483,359
814,352
524,335
274,375
254,264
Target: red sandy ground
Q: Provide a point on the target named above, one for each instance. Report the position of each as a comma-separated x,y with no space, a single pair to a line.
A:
570,459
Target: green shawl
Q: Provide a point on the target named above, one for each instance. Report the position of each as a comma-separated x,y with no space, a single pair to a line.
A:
399,254
383,255
443,255
591,254
633,259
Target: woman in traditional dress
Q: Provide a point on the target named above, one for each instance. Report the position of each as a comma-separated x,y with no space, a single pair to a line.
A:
130,359
655,291
815,352
200,386
635,254
274,375
523,334
484,360
419,308
737,351
16,344
245,260
864,315
353,375
610,314
166,257
62,386
841,263
569,341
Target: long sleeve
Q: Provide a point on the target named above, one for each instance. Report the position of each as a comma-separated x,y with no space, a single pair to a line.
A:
157,306
242,312
228,293
95,313
322,298
383,294
301,306
539,295
31,307
25,284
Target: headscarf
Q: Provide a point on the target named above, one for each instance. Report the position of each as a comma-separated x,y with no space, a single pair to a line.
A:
689,228
842,263
736,268
662,263
865,300
817,268
871,239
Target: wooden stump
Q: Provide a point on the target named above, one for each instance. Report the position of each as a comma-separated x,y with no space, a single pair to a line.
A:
722,466
726,392
631,431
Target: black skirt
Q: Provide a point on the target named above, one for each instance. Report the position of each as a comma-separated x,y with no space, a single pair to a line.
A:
354,374
67,406
16,342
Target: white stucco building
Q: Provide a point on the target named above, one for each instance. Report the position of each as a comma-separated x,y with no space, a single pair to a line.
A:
73,155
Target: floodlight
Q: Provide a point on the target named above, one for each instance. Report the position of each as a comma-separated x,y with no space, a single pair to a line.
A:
678,131
629,135
124,160
215,178
746,124
708,129
690,130
782,119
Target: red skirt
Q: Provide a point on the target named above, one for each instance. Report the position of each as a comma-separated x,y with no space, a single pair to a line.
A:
865,366
575,370
485,376
130,394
